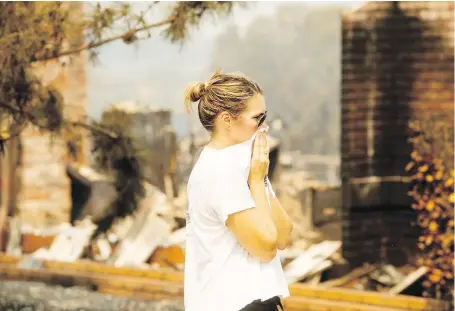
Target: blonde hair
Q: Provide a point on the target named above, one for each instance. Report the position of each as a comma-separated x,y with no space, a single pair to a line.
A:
222,92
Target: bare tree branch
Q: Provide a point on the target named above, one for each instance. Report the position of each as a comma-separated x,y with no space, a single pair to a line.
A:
92,128
124,35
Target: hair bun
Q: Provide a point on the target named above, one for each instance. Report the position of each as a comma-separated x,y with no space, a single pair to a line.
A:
197,91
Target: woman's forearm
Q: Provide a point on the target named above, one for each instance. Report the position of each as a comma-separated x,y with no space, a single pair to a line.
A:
259,194
283,223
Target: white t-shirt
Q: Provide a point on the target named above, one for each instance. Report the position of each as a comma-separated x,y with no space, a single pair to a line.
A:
220,275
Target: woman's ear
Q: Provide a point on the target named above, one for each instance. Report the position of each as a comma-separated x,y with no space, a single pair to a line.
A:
226,118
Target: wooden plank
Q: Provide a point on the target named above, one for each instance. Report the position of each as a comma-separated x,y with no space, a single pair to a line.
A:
165,274
354,274
32,242
408,280
309,260
13,246
315,304
314,276
369,298
70,243
89,266
172,256
319,268
8,259
148,233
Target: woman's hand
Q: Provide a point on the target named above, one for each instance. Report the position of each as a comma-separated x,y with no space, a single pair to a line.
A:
259,159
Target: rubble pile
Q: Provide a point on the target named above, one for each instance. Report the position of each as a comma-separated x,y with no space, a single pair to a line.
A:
146,241
142,256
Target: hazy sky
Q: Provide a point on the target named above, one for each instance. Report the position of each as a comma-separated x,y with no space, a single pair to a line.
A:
156,72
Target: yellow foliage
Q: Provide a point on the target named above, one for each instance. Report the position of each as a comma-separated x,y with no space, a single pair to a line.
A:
439,175
423,168
435,215
437,162
433,227
409,166
447,241
433,193
435,278
430,206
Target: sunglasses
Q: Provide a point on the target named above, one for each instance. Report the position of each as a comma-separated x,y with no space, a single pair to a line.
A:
262,119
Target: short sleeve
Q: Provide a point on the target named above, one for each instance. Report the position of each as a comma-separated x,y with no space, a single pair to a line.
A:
229,194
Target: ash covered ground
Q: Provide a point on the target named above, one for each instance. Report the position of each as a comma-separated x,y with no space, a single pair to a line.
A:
34,296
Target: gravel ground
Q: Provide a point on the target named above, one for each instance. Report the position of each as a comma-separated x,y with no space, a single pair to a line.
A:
34,296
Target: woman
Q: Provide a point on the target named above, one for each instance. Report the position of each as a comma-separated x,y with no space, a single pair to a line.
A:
235,223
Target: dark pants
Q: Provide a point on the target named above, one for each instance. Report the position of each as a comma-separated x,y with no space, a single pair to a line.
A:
267,305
